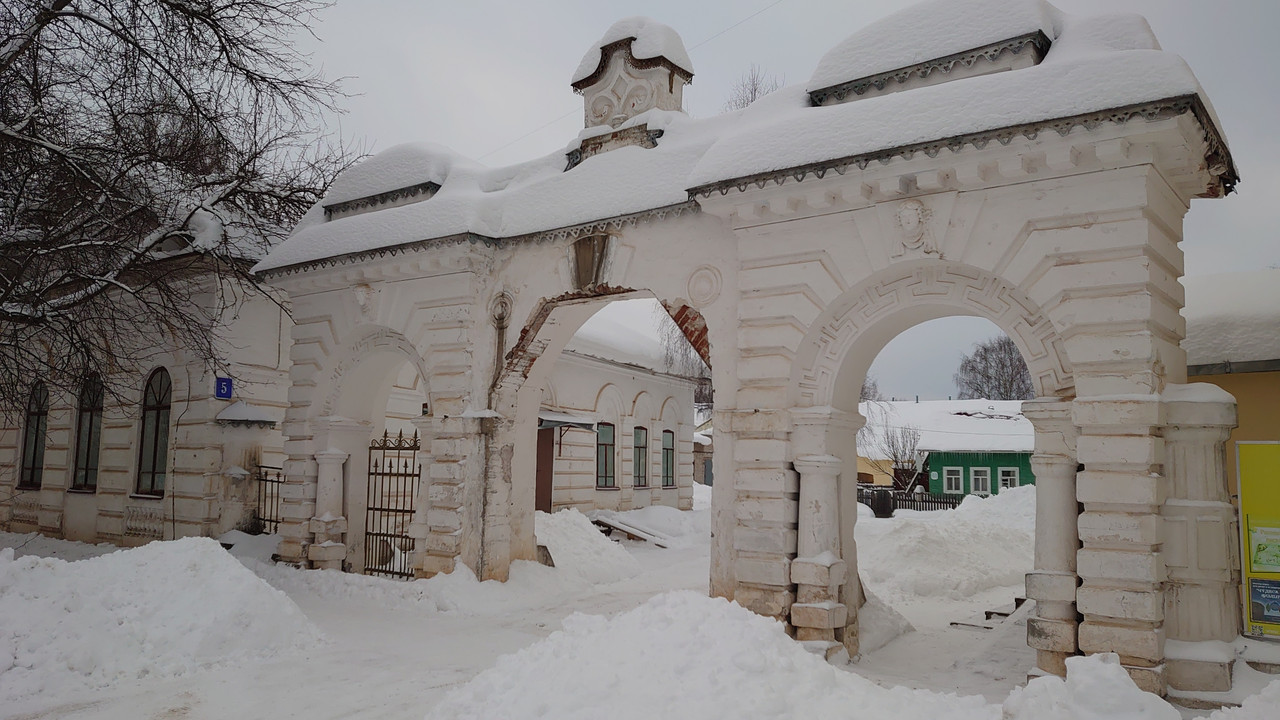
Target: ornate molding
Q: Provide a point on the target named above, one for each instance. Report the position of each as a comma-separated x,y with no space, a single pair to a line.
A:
1037,42
567,232
624,46
349,207
639,135
1217,157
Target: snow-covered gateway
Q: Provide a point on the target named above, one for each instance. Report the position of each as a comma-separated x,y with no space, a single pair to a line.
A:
965,157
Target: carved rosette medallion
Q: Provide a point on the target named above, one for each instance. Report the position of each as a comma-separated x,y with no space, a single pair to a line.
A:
704,286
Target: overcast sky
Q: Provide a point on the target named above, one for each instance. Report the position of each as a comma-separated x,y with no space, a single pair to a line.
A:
491,80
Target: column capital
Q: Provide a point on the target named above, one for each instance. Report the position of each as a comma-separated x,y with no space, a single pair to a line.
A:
1199,405
331,456
828,465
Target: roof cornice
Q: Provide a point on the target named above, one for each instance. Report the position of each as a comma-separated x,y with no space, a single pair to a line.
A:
1037,41
1217,156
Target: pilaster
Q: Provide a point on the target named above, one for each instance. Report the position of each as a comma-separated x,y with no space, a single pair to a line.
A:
1200,536
329,527
1121,568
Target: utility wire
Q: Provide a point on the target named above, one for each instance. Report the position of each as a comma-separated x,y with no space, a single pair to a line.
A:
551,122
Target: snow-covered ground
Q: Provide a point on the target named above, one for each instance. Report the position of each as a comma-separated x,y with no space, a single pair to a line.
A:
187,630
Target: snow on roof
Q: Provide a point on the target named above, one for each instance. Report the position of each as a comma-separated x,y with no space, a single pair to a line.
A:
931,30
652,40
397,167
1095,64
624,331
956,425
1232,317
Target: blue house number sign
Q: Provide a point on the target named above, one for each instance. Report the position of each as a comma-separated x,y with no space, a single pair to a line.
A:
222,388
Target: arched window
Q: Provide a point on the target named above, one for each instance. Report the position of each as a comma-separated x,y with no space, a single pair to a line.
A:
88,434
37,425
153,450
640,457
668,458
604,456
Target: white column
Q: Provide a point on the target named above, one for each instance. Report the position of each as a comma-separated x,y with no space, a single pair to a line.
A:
1052,632
327,549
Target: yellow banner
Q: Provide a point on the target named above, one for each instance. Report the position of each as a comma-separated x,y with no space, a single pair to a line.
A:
1259,465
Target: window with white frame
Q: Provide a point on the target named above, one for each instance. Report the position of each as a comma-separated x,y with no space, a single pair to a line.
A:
640,457
980,481
1008,478
952,480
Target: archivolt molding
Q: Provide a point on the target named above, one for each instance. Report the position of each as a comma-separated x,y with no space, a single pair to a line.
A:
950,285
377,339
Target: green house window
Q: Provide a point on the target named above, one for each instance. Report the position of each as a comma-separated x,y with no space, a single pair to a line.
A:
980,481
952,480
1008,478
604,456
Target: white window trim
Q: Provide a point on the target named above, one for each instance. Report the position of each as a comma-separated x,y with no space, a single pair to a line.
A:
1017,477
959,474
973,485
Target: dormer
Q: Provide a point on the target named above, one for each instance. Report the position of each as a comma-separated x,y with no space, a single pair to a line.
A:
638,65
935,42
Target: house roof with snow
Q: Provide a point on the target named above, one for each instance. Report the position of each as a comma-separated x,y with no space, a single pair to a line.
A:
626,332
1233,322
1094,70
953,425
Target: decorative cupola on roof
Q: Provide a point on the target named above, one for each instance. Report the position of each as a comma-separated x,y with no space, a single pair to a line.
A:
935,42
639,64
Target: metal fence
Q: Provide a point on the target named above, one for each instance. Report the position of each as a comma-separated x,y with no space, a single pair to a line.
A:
266,512
885,501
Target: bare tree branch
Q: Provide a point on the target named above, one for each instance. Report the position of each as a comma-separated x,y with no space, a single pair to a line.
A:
753,85
150,152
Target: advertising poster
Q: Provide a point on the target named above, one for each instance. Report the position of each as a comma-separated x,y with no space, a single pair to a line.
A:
1259,465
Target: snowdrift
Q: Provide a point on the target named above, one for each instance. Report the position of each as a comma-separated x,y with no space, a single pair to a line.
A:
161,610
982,544
578,548
683,655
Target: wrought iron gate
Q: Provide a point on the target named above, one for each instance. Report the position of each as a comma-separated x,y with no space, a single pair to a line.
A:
393,489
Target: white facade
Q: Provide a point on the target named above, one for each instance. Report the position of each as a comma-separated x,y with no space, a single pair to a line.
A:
214,445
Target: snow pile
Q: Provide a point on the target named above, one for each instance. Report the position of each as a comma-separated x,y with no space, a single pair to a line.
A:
579,548
161,610
676,527
1262,706
24,544
683,655
701,496
983,544
259,548
336,585
652,40
879,624
931,30
1232,317
1096,688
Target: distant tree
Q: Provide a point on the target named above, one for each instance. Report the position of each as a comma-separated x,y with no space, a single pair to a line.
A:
994,370
145,144
891,446
870,390
681,358
753,85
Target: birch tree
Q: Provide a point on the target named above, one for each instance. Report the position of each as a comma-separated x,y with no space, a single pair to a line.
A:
994,370
145,144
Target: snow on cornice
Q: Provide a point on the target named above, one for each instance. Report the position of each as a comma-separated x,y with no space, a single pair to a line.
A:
930,30
651,41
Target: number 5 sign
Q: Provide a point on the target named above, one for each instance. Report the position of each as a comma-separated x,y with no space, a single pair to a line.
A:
222,388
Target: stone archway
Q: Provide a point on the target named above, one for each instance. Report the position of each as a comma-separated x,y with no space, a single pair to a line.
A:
832,362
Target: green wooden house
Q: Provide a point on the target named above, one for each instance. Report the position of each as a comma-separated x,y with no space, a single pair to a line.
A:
966,446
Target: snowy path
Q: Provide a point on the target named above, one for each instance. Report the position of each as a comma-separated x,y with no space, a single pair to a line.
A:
395,650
